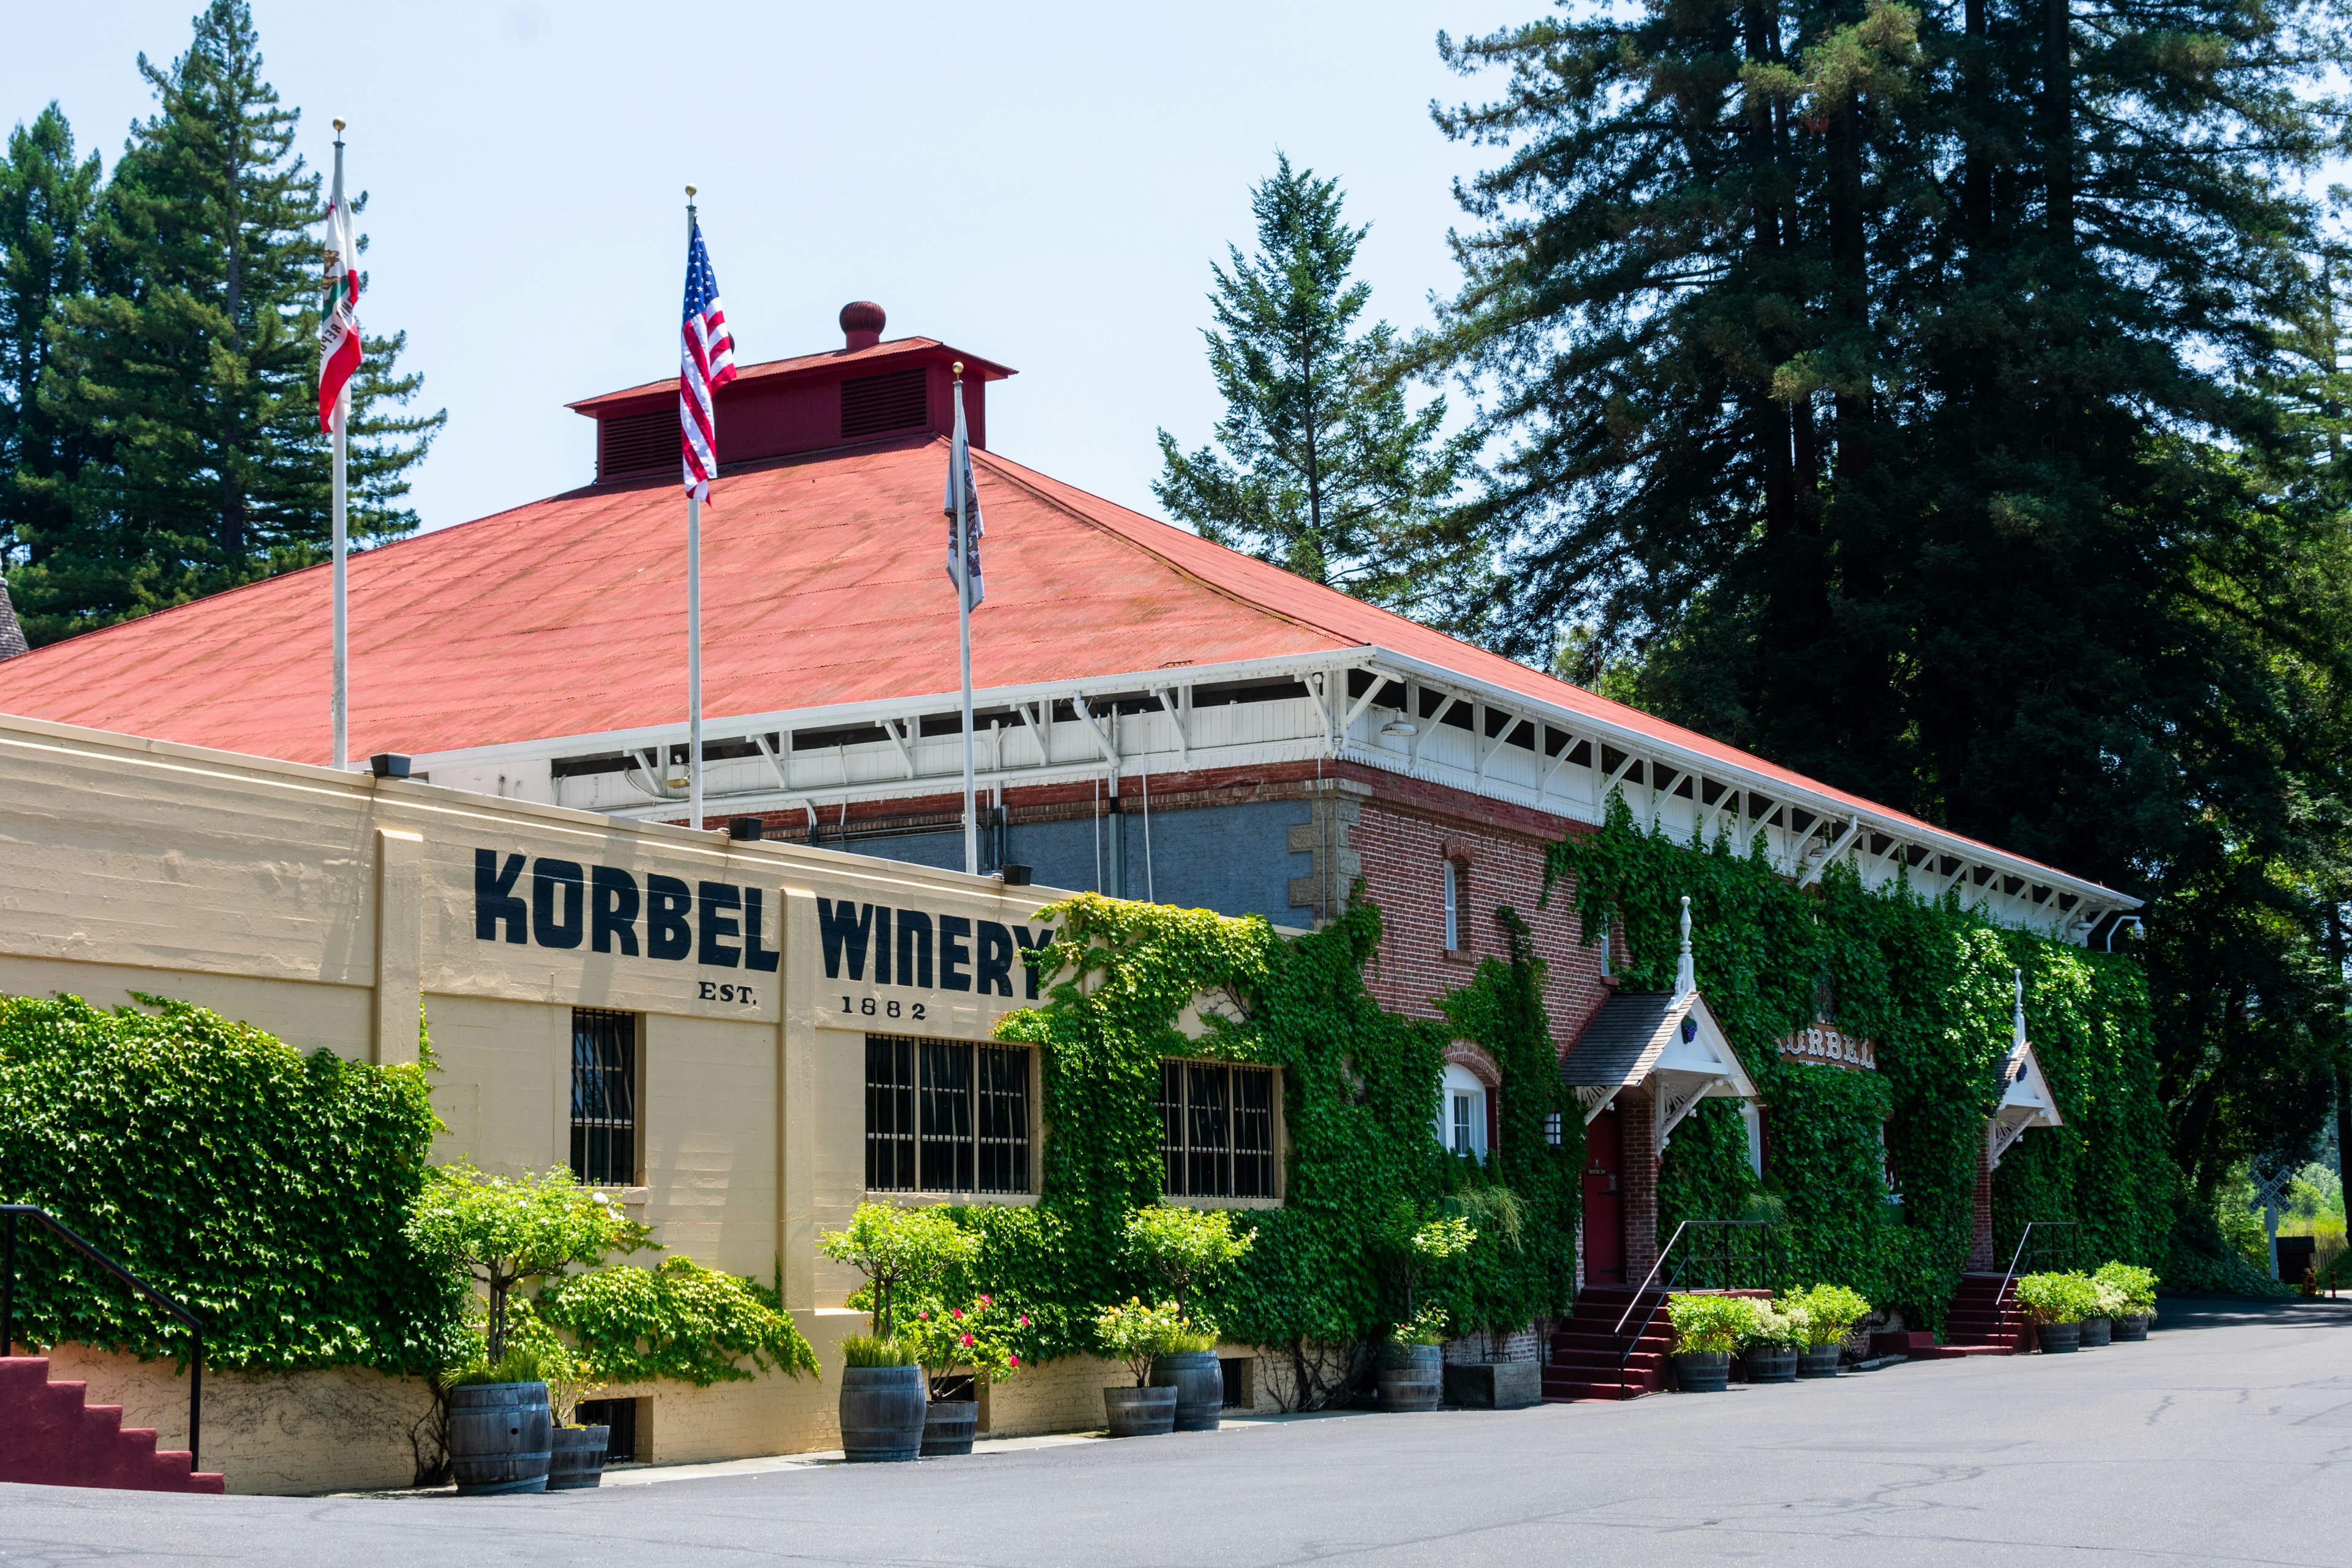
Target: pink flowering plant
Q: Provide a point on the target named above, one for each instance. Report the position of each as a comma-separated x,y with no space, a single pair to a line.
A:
986,1336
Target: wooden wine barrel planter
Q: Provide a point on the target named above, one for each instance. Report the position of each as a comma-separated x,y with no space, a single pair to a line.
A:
2132,1330
949,1427
1412,1377
576,1458
1818,1361
1703,1372
2058,1339
2098,1333
883,1411
1139,1412
500,1438
1774,1363
1200,1384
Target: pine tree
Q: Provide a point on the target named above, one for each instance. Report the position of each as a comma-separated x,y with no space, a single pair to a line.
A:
1324,469
1889,385
193,366
48,201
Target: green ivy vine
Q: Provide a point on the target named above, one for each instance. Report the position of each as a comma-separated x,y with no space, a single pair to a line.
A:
1931,984
1359,1088
263,1188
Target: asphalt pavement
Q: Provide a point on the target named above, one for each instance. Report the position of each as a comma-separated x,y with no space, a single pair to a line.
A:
2224,1438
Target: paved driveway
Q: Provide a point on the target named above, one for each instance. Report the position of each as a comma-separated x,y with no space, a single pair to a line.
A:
2225,1438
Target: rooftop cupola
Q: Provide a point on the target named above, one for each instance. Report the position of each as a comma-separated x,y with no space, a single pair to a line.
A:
866,391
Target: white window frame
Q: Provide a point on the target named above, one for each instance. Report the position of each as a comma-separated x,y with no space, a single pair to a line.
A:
1461,1108
1452,906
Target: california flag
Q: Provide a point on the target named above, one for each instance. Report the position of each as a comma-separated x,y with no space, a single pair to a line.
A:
339,321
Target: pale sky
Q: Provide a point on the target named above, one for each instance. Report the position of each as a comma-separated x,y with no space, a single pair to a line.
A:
1043,185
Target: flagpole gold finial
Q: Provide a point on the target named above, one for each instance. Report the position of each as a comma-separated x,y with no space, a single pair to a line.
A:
338,125
689,192
957,367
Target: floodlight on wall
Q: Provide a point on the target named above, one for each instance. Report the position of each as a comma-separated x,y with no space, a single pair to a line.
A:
1400,728
1013,876
388,765
746,828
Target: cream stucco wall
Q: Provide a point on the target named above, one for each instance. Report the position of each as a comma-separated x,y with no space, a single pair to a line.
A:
326,907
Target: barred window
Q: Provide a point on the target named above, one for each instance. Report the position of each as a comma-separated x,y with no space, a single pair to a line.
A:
943,1116
1216,1130
603,1097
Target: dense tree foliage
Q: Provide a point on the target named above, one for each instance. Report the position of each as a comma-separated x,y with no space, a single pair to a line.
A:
158,355
1943,401
1324,468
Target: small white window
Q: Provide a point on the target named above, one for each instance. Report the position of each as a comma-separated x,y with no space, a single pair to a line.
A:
1461,1125
1452,907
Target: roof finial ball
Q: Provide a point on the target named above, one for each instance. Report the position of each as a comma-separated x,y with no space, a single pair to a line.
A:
862,321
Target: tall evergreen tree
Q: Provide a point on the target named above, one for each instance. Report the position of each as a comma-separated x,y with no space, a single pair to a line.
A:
48,201
192,364
1325,471
1889,382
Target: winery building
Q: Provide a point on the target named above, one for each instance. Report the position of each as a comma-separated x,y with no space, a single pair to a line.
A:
1156,717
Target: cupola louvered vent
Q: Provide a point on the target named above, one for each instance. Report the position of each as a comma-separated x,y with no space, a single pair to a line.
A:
877,405
630,443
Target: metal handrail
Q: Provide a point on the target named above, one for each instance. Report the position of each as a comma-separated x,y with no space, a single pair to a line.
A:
1763,1230
2022,1238
9,1213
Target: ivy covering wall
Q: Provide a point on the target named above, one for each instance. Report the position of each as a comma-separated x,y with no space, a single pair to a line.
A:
1359,1091
1930,984
263,1189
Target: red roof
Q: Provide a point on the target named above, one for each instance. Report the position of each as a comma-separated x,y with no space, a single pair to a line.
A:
824,583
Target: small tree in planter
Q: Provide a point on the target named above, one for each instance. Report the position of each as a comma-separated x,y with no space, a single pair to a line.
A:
1416,1247
885,1396
1828,1313
2058,1304
502,1231
1136,1333
1192,1249
1707,1329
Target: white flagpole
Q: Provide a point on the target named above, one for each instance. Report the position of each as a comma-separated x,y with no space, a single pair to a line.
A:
694,614
963,627
342,595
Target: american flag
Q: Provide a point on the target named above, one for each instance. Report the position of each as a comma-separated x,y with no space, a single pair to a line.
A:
706,363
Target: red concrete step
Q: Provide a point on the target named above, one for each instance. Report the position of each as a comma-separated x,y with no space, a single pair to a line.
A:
58,1438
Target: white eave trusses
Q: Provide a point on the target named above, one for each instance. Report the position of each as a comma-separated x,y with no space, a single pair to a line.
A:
1367,705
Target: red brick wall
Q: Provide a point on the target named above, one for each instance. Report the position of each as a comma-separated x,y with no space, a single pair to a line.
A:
1403,848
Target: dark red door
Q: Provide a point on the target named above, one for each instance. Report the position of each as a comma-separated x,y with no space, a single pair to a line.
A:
1604,1201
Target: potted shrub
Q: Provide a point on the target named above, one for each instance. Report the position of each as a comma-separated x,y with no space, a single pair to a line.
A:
1829,1313
1137,1334
884,1394
1707,1329
1411,1376
2133,1301
1412,1362
1768,1349
1190,1249
983,1340
575,1453
2057,1303
501,1231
